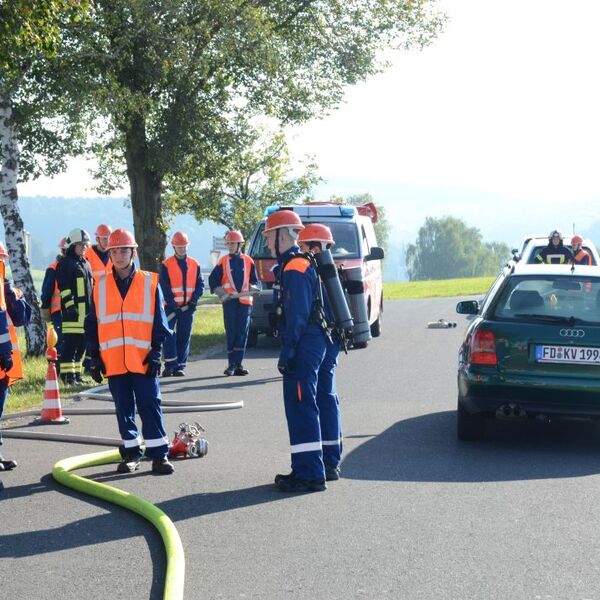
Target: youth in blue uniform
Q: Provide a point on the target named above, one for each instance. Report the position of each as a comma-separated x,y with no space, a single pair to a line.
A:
182,285
303,349
233,274
14,312
139,386
314,238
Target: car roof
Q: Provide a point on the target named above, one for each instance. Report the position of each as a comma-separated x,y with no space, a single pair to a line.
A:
527,269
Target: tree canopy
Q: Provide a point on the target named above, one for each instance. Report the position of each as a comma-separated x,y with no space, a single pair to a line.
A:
447,248
170,81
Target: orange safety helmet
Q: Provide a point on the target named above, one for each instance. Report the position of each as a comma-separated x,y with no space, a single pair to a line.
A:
180,239
103,230
121,238
316,232
283,218
234,236
63,244
3,252
576,239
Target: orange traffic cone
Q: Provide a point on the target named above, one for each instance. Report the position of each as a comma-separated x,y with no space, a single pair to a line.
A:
51,409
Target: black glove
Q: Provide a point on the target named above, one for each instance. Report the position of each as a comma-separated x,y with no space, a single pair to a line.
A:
192,305
9,291
6,362
153,361
71,314
286,364
97,369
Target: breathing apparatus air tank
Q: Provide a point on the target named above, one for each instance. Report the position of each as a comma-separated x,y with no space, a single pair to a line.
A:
331,281
353,282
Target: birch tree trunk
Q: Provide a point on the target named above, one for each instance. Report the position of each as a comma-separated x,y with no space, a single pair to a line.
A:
35,332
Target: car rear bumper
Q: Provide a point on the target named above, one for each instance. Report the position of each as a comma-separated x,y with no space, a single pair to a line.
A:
484,393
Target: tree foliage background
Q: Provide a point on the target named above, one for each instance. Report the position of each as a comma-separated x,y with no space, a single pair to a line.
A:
448,248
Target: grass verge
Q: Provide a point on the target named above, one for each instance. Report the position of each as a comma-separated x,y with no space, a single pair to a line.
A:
436,288
29,393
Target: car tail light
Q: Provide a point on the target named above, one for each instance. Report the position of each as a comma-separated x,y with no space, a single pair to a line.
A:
483,348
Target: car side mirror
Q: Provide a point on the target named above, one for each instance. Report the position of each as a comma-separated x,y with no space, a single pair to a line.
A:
515,254
376,253
467,307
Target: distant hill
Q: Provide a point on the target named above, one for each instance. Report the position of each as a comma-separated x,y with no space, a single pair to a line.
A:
48,219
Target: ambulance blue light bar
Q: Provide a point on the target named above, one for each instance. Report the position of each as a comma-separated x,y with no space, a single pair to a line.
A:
315,210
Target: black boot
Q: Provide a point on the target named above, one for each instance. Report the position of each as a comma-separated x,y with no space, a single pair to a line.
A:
229,371
239,370
162,466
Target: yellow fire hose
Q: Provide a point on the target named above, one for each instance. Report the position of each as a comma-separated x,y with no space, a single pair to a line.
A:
175,573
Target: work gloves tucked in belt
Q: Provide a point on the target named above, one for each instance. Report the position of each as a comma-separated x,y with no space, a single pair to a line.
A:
71,314
287,361
6,362
153,361
97,369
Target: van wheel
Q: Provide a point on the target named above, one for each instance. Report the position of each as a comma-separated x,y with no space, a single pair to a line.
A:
376,326
469,426
359,345
252,338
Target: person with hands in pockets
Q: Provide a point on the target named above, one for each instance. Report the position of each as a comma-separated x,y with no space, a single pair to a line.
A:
14,312
234,281
303,345
126,328
182,285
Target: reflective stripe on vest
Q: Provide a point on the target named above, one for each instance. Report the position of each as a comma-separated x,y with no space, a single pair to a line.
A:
16,371
55,299
125,325
96,264
227,278
176,278
79,301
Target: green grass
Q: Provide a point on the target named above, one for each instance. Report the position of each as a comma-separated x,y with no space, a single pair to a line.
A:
28,393
436,288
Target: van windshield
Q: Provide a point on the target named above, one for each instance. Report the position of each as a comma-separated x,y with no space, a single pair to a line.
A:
551,297
345,235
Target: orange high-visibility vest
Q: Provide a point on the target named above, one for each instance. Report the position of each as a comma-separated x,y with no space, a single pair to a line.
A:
125,325
176,278
227,278
96,264
16,371
55,300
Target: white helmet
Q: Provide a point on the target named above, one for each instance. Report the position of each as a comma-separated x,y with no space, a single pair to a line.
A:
76,236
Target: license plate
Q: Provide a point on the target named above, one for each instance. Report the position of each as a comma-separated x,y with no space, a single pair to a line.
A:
582,355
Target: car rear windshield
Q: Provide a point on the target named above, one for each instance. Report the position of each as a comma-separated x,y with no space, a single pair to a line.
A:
549,297
344,233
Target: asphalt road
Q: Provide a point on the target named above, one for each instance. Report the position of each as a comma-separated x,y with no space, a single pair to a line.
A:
417,514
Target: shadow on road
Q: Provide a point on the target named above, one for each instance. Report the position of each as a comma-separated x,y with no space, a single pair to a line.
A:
426,448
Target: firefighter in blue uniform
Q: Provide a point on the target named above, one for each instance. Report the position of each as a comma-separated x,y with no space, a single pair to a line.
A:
235,274
182,285
74,280
50,298
303,348
555,253
315,238
14,312
125,328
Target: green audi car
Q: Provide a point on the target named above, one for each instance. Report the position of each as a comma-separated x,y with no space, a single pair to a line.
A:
532,348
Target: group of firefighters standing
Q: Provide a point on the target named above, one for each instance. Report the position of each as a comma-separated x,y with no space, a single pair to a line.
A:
124,320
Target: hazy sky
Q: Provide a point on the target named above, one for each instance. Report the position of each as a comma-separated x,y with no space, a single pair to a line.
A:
500,113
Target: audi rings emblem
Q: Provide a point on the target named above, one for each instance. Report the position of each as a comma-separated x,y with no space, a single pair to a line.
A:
576,333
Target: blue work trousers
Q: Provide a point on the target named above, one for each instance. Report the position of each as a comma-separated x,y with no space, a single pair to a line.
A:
177,346
128,391
3,397
301,410
237,322
329,407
